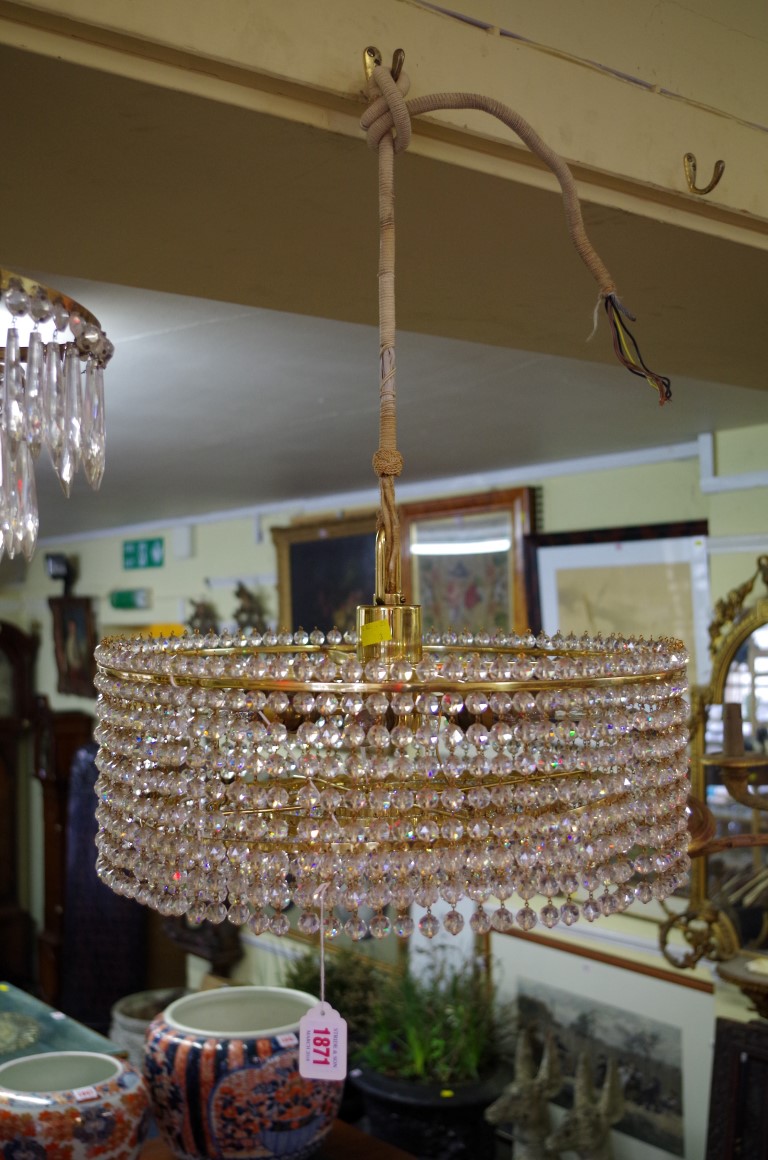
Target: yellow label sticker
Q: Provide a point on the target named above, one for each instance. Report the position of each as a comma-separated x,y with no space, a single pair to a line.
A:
375,631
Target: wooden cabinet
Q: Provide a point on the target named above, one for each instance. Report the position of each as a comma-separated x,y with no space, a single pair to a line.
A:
17,658
59,735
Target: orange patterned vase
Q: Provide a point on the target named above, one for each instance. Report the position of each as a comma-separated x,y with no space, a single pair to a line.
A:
71,1105
223,1071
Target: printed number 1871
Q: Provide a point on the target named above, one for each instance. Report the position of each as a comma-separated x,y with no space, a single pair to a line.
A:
321,1045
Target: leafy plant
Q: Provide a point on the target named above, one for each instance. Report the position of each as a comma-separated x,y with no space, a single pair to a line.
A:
441,1025
352,982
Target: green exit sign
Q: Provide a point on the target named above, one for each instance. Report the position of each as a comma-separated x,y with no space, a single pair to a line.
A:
131,598
143,553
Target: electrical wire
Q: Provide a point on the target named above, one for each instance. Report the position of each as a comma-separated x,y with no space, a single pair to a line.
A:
628,352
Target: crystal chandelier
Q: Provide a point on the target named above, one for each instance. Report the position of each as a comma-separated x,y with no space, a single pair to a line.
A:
373,776
44,401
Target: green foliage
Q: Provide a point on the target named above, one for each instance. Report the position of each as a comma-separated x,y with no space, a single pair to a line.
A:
440,1026
351,985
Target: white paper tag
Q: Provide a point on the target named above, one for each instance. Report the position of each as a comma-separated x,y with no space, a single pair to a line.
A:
83,1094
322,1043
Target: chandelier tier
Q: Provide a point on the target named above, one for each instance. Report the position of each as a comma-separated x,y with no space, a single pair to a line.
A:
45,403
378,777
241,775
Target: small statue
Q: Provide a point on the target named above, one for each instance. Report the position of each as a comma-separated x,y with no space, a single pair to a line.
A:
251,612
524,1103
586,1128
204,617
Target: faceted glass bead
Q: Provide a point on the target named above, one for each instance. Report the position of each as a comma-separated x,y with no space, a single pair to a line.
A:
480,921
453,922
403,926
502,920
309,922
591,910
526,918
331,926
258,922
238,914
429,926
549,915
15,298
380,926
569,913
644,892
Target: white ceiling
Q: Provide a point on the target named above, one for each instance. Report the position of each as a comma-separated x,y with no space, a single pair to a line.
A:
212,407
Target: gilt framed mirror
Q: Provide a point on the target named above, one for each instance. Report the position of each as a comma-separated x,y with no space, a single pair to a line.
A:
735,880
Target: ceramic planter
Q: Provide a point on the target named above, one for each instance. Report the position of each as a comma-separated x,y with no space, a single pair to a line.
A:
222,1067
71,1105
430,1120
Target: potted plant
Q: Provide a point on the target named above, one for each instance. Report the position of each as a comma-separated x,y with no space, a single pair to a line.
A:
435,1059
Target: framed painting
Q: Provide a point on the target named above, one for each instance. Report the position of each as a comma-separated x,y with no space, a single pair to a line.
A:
324,570
649,581
74,641
464,560
657,1026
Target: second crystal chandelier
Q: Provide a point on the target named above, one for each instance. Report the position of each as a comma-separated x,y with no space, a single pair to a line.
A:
45,402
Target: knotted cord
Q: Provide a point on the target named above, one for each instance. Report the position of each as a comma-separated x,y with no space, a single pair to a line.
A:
387,123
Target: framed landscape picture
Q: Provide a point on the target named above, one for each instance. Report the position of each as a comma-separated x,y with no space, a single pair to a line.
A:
656,1024
649,581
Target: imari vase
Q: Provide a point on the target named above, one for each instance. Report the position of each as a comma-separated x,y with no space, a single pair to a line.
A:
222,1067
71,1105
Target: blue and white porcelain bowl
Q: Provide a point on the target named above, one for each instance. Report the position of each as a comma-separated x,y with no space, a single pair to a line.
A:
223,1070
71,1105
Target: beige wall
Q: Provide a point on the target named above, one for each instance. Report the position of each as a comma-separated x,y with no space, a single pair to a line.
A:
228,550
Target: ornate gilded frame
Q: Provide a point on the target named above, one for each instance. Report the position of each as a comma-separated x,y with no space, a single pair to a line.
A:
708,930
300,558
518,504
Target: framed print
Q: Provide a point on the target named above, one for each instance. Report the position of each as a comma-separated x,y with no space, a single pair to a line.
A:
324,570
658,1027
650,581
74,641
464,563
738,1112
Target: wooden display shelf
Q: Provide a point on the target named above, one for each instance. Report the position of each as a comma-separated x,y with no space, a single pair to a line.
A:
344,1142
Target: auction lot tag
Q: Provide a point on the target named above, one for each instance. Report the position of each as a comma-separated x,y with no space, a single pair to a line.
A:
83,1094
322,1044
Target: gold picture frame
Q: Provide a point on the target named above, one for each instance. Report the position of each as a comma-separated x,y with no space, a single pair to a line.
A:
465,589
325,568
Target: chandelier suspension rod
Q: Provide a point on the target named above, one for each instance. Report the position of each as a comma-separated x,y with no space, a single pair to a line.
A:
387,122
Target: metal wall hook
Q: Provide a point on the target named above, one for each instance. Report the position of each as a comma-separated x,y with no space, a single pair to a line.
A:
371,58
689,165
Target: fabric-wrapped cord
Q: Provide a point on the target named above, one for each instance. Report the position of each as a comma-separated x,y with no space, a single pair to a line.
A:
387,124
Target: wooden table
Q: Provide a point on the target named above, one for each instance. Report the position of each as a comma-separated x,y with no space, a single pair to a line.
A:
343,1143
